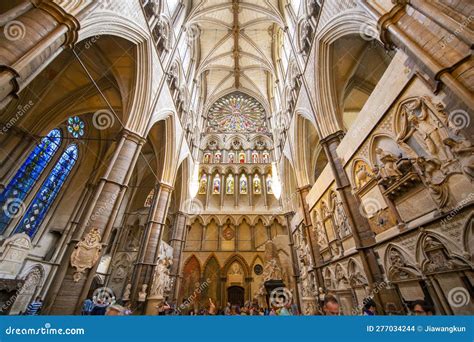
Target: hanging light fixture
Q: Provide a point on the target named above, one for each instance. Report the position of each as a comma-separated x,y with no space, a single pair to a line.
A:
276,183
194,182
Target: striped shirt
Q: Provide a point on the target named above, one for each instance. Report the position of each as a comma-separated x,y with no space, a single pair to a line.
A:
33,308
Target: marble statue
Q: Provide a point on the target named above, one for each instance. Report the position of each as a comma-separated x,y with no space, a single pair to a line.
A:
388,168
142,294
126,292
86,253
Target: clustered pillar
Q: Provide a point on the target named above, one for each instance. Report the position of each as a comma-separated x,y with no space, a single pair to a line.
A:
73,280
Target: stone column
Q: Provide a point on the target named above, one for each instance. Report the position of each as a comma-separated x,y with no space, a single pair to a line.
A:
294,258
34,33
148,254
363,236
236,191
308,226
264,187
223,190
209,189
70,285
399,29
250,190
178,239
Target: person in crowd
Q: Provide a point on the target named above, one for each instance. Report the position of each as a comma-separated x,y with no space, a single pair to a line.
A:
212,307
115,310
35,307
87,307
227,310
330,306
422,308
285,310
99,308
128,309
370,308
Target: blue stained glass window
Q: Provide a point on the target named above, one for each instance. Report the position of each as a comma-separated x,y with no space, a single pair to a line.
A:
12,197
48,192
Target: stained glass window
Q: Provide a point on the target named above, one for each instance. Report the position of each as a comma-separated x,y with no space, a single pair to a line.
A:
216,185
12,197
257,185
75,126
229,187
149,199
48,192
236,113
269,184
243,184
203,184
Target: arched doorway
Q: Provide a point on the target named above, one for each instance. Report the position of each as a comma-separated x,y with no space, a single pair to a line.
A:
236,295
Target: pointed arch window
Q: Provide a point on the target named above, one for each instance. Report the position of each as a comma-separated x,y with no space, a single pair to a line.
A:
12,198
48,192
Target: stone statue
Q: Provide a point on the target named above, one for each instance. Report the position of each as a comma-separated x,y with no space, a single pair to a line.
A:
362,175
340,217
272,271
319,228
464,153
86,253
161,279
388,169
126,293
418,122
142,294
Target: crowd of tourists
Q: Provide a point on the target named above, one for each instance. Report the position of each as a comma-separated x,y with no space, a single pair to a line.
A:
329,307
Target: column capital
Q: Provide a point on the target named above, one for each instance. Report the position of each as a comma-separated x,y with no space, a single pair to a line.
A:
62,17
336,136
166,187
129,135
304,188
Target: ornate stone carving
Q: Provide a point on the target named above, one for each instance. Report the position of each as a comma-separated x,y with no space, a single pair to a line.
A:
398,266
126,292
388,170
340,217
417,121
12,254
306,36
142,294
423,131
161,283
86,253
319,229
438,258
362,174
272,269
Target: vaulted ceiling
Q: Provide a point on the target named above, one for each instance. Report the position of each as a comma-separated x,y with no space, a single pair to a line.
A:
236,44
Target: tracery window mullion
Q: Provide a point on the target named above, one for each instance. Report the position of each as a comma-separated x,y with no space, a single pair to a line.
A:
17,190
48,192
